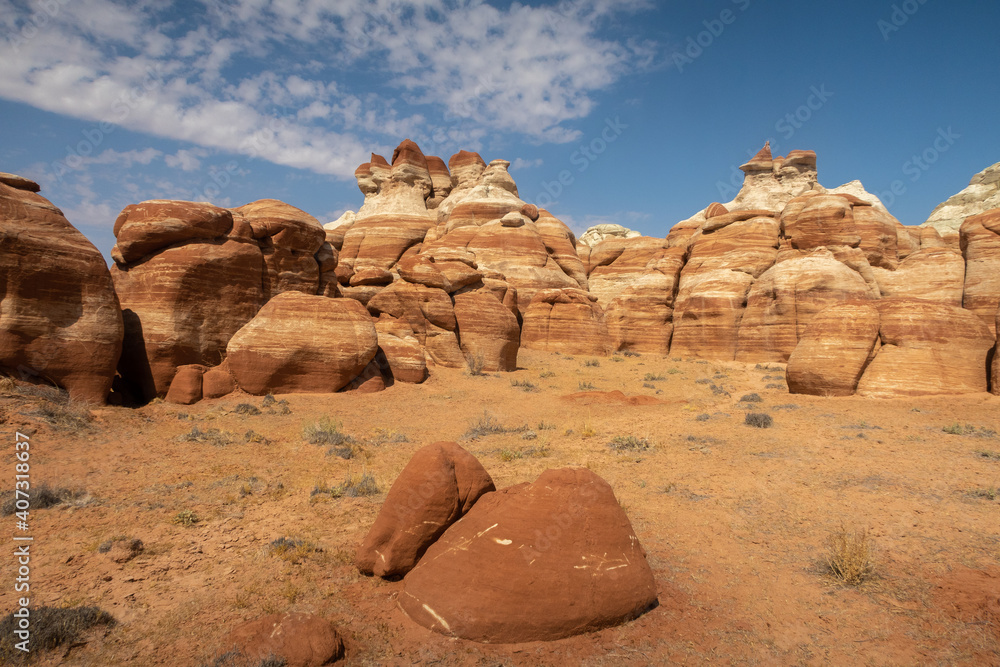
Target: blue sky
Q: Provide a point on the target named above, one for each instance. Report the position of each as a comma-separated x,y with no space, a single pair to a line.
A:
631,112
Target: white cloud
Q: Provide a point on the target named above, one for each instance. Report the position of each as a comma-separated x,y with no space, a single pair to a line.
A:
225,75
185,160
521,163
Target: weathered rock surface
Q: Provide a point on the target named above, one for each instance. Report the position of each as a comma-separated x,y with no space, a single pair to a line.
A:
781,304
402,350
218,381
533,562
488,331
927,348
833,352
186,387
982,194
707,313
640,319
931,274
60,319
598,233
980,242
430,315
439,485
300,639
142,229
289,239
569,321
995,375
302,343
616,263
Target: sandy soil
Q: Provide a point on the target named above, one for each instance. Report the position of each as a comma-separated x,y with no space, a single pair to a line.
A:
735,520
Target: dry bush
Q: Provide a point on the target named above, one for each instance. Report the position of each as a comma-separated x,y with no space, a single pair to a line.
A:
42,497
51,627
487,424
628,443
211,436
851,555
758,420
474,363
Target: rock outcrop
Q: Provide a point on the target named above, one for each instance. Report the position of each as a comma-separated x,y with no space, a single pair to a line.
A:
533,562
297,638
302,343
60,321
437,487
833,352
598,233
569,321
980,242
982,194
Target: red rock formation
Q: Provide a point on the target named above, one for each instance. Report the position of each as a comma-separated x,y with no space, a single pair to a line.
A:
302,343
980,241
926,349
440,180
569,321
814,220
640,319
142,229
298,638
715,209
488,331
834,351
437,487
60,320
430,315
289,239
533,562
617,263
402,350
878,235
995,375
707,313
218,381
784,300
186,387
931,274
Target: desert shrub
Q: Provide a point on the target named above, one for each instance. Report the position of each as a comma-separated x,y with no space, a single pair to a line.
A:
186,518
326,432
474,364
648,385
592,363
616,357
585,386
758,420
673,371
774,385
68,417
509,454
703,417
954,429
529,435
969,429
751,398
653,377
51,627
7,385
358,487
41,497
989,493
246,409
381,436
275,406
524,385
210,436
786,406
628,443
237,659
703,381
988,454
630,353
487,424
718,391
291,549
255,437
132,543
546,374
851,555
544,426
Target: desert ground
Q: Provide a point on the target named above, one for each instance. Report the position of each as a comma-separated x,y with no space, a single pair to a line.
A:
735,520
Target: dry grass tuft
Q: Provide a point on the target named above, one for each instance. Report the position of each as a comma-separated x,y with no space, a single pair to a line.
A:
51,627
851,555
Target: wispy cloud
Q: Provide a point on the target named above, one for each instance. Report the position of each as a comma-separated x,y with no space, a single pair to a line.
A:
313,84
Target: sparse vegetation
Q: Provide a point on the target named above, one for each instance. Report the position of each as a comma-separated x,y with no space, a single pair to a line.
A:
255,437
653,377
487,424
545,426
546,374
211,436
969,429
585,386
354,487
673,371
718,391
592,363
617,358
703,417
236,659
751,398
630,353
774,385
327,432
275,406
246,409
758,420
988,454
628,443
51,627
851,555
186,518
990,493
290,549
474,364
524,385
42,497
648,385
703,381
68,417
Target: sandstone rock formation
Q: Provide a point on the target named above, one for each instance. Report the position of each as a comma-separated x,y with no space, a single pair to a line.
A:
533,562
598,233
892,347
616,263
932,274
488,330
569,321
302,343
980,242
186,387
297,638
982,194
437,487
60,321
640,319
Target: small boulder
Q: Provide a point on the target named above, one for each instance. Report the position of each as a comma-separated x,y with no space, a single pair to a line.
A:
440,484
186,387
302,640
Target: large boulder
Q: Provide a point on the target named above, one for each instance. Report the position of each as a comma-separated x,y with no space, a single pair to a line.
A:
926,349
980,242
437,487
837,345
302,343
429,313
60,320
533,562
569,321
